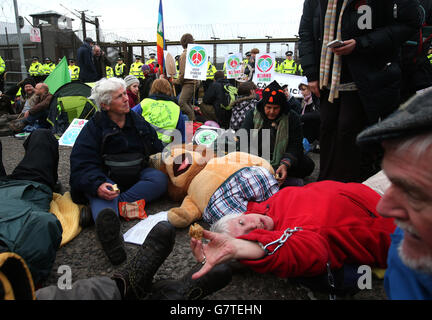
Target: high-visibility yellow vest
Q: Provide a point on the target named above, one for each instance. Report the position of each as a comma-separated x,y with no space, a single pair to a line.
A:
300,70
109,72
2,65
136,70
430,57
119,69
36,69
211,70
177,70
74,72
162,114
288,66
245,62
48,68
150,61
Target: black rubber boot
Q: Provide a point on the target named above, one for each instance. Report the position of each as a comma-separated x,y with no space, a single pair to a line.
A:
137,276
188,289
108,232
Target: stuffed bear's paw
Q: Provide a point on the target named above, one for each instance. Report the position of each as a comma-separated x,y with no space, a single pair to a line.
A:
179,218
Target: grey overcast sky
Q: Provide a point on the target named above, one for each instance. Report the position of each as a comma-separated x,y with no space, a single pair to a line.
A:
127,17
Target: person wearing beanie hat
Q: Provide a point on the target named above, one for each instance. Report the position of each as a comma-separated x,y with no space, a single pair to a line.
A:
132,90
406,139
274,115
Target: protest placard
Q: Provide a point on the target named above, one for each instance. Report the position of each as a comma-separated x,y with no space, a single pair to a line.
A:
196,62
233,63
292,81
71,134
264,68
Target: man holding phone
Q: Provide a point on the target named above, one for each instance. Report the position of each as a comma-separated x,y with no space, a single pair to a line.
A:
357,80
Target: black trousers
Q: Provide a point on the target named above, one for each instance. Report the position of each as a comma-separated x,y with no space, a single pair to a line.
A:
40,162
340,157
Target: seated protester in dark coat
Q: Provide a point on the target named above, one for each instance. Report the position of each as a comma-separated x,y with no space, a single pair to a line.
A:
285,133
27,227
113,138
162,111
294,104
212,100
247,100
310,114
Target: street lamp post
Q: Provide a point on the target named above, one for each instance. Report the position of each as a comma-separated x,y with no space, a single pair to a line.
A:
241,44
20,44
214,50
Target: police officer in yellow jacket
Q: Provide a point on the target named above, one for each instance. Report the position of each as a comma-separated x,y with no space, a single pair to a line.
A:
289,66
48,66
211,70
109,72
246,60
136,68
36,70
120,69
2,70
152,58
74,70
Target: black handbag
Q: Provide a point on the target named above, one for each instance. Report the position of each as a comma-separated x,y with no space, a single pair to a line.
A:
124,168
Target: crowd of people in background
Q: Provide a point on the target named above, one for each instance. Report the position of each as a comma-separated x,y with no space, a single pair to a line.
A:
343,114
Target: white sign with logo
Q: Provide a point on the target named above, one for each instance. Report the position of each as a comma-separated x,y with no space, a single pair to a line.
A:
292,81
233,65
35,35
71,134
197,62
264,68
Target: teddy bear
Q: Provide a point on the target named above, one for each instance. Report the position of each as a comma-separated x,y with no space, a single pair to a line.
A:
195,173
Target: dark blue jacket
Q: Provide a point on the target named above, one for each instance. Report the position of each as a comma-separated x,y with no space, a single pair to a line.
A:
402,282
86,162
85,61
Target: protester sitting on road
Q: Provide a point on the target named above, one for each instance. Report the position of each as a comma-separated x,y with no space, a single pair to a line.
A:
406,137
35,110
246,101
112,151
310,114
286,149
132,89
291,236
27,227
131,282
292,101
161,110
212,100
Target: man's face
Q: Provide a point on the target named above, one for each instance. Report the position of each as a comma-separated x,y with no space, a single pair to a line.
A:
409,201
289,57
97,52
272,111
40,89
29,89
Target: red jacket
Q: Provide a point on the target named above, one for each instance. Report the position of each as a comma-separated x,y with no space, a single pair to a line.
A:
133,99
340,225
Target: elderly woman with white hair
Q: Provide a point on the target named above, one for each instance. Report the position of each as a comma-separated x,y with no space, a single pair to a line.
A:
109,164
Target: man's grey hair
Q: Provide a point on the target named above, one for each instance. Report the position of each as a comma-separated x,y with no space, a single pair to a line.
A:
103,90
417,145
221,226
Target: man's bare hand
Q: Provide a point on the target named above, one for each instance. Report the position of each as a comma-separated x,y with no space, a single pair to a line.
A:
105,191
314,88
346,49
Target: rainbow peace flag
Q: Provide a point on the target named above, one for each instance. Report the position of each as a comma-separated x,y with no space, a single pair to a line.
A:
161,41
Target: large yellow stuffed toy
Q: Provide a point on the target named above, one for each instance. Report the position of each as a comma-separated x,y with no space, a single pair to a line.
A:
195,174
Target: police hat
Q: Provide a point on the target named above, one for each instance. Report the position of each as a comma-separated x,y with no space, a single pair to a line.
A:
89,40
289,53
177,57
248,54
119,58
35,58
71,60
47,59
152,54
138,57
411,119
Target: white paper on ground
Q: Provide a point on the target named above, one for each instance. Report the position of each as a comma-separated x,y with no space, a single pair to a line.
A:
138,233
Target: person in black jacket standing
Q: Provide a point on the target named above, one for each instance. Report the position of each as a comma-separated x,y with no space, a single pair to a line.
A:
358,82
86,63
